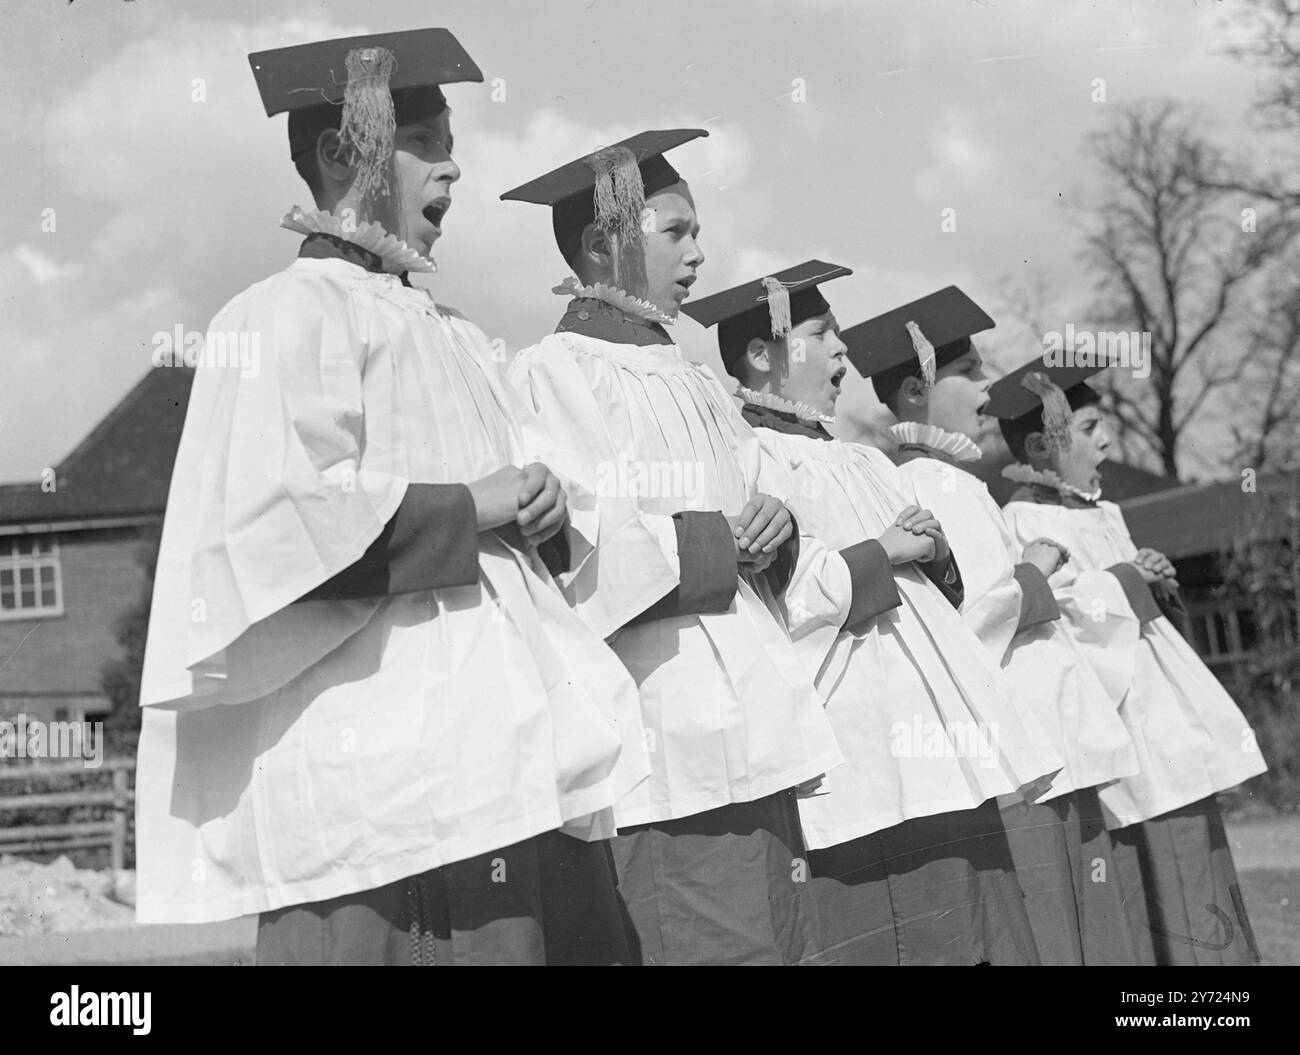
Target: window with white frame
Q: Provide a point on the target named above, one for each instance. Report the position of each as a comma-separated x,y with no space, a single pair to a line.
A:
31,581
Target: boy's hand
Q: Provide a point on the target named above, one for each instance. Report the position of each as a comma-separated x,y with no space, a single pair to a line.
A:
1046,555
922,522
1155,568
496,497
530,499
542,505
762,527
1156,563
901,546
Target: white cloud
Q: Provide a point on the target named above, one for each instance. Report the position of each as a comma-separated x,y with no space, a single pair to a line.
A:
962,158
42,268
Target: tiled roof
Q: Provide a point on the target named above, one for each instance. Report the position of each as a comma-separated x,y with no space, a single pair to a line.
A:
124,465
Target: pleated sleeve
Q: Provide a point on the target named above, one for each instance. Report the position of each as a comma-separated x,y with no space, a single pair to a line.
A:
273,492
624,559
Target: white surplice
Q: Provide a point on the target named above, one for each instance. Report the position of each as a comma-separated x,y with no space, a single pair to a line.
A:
917,705
730,714
1191,738
1045,670
297,752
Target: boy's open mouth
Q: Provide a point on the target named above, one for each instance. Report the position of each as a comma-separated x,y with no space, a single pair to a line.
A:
838,377
436,210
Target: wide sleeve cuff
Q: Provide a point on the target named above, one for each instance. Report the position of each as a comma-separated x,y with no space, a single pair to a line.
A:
947,576
430,543
1037,601
706,558
1136,591
874,588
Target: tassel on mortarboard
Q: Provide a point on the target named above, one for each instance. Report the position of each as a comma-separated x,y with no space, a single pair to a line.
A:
1056,409
620,194
924,353
778,306
368,123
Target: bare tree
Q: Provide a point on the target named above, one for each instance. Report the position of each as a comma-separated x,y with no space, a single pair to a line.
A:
1175,260
1276,48
1266,409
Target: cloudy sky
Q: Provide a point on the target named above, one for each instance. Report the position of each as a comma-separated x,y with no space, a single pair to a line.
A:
139,125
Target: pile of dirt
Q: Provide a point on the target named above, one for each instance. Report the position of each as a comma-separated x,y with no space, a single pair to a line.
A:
58,897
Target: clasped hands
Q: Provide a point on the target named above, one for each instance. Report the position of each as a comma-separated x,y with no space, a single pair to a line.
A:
1155,568
525,506
915,535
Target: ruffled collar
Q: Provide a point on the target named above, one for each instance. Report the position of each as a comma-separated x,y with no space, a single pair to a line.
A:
953,446
801,411
615,297
1048,480
395,256
783,421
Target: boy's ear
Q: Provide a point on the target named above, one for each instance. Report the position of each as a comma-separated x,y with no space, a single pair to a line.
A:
758,356
596,247
1036,449
331,159
911,393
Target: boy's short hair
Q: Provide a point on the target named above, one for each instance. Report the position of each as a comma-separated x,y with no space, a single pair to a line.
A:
735,333
307,124
1016,431
570,217
889,381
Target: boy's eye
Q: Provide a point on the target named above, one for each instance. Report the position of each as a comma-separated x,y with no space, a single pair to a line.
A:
432,139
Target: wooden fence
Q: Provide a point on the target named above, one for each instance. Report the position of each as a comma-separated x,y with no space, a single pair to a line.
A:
70,834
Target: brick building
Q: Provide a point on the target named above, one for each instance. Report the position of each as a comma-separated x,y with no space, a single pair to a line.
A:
74,550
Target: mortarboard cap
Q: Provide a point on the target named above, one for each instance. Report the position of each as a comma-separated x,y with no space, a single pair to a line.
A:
608,186
1040,398
917,338
766,307
311,81
306,75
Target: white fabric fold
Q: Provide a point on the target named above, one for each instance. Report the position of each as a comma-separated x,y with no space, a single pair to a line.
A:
1044,667
918,707
730,713
1191,738
359,742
